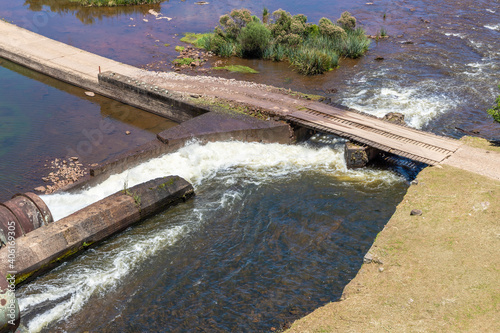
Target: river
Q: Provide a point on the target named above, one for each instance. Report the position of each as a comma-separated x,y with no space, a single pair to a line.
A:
274,231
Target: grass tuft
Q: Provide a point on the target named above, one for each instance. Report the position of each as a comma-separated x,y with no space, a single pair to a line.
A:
310,48
195,39
183,61
238,68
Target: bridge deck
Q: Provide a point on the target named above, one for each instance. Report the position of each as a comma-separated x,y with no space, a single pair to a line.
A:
400,140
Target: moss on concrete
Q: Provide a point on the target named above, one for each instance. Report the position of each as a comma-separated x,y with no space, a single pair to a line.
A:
476,142
230,107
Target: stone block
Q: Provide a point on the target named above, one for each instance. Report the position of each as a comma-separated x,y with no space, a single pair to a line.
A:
357,156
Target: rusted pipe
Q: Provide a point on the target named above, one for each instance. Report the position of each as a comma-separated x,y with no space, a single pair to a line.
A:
23,214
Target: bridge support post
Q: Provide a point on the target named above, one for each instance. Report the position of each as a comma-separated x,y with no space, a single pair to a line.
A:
357,156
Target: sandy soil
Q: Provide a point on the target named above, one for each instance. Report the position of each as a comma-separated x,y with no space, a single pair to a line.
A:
438,272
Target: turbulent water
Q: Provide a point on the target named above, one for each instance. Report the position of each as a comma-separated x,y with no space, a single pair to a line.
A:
273,231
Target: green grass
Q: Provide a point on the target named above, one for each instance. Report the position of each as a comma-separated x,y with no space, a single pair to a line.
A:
179,48
309,48
183,61
195,39
112,3
495,109
238,68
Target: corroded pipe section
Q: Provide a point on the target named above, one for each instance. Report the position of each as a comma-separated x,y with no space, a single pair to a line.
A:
9,223
23,214
46,215
45,247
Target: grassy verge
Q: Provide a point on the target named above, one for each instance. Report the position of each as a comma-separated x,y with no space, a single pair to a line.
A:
310,48
111,3
437,272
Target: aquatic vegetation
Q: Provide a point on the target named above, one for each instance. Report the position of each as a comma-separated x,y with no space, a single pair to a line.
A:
347,21
254,39
183,61
111,3
314,61
238,68
195,39
495,109
309,48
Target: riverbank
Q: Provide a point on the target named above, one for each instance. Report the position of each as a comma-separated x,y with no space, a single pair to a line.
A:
432,272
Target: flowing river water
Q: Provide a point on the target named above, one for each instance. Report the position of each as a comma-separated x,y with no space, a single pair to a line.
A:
274,231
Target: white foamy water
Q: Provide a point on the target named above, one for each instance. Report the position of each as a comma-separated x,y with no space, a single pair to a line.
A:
100,271
69,292
493,27
419,105
196,163
459,35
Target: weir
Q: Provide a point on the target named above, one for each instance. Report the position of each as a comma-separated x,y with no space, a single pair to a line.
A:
159,94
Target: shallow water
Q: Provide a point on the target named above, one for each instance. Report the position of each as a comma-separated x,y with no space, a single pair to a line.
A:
57,120
446,78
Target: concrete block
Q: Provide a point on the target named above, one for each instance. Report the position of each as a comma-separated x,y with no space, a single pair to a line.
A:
357,156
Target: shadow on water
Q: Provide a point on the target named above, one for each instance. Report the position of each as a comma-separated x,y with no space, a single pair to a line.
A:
88,15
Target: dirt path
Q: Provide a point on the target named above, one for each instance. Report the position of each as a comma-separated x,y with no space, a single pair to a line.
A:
276,100
438,272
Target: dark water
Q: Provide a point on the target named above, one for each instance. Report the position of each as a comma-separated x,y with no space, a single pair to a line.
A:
273,232
262,243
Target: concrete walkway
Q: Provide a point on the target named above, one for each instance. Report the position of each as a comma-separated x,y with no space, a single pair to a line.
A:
56,59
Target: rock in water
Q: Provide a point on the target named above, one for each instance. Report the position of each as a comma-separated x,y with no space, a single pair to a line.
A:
40,189
395,118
